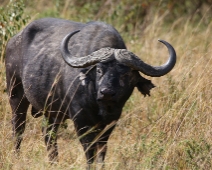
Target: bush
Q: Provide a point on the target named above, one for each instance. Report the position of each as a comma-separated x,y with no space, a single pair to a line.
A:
12,19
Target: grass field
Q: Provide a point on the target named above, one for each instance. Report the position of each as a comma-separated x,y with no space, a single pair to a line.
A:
171,129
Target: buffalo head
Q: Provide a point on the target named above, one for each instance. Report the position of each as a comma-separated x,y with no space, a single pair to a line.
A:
117,73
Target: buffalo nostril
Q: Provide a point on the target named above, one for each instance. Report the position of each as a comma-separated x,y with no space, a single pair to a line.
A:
107,92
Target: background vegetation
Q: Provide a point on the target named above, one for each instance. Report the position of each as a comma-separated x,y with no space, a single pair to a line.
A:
172,129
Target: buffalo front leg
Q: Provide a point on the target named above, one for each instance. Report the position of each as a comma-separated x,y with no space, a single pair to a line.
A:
102,145
89,148
101,152
87,137
95,147
49,129
94,141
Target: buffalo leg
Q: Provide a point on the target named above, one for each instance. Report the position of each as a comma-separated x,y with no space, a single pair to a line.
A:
19,105
89,148
36,113
94,143
95,147
101,147
49,129
86,135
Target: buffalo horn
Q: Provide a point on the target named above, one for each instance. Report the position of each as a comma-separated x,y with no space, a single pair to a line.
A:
122,55
101,55
129,59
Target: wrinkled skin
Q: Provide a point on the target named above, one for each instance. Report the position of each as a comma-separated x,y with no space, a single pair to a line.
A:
92,97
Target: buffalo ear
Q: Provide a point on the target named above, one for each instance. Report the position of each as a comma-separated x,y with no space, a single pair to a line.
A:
144,86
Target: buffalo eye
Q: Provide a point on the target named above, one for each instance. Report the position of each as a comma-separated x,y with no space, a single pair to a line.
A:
99,71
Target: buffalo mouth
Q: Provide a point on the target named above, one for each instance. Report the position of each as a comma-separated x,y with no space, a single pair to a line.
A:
106,99
107,103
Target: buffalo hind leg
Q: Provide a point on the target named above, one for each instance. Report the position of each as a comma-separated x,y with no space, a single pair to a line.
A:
19,105
49,129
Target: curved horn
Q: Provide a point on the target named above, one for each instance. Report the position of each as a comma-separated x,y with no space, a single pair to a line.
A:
103,55
131,60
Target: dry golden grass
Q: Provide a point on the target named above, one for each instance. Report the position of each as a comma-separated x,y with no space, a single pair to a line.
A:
171,129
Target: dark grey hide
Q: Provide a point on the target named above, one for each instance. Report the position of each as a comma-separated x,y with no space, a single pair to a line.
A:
39,73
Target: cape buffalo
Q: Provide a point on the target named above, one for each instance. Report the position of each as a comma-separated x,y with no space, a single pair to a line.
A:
78,71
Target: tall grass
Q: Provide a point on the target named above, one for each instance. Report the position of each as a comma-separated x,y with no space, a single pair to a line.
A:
171,129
